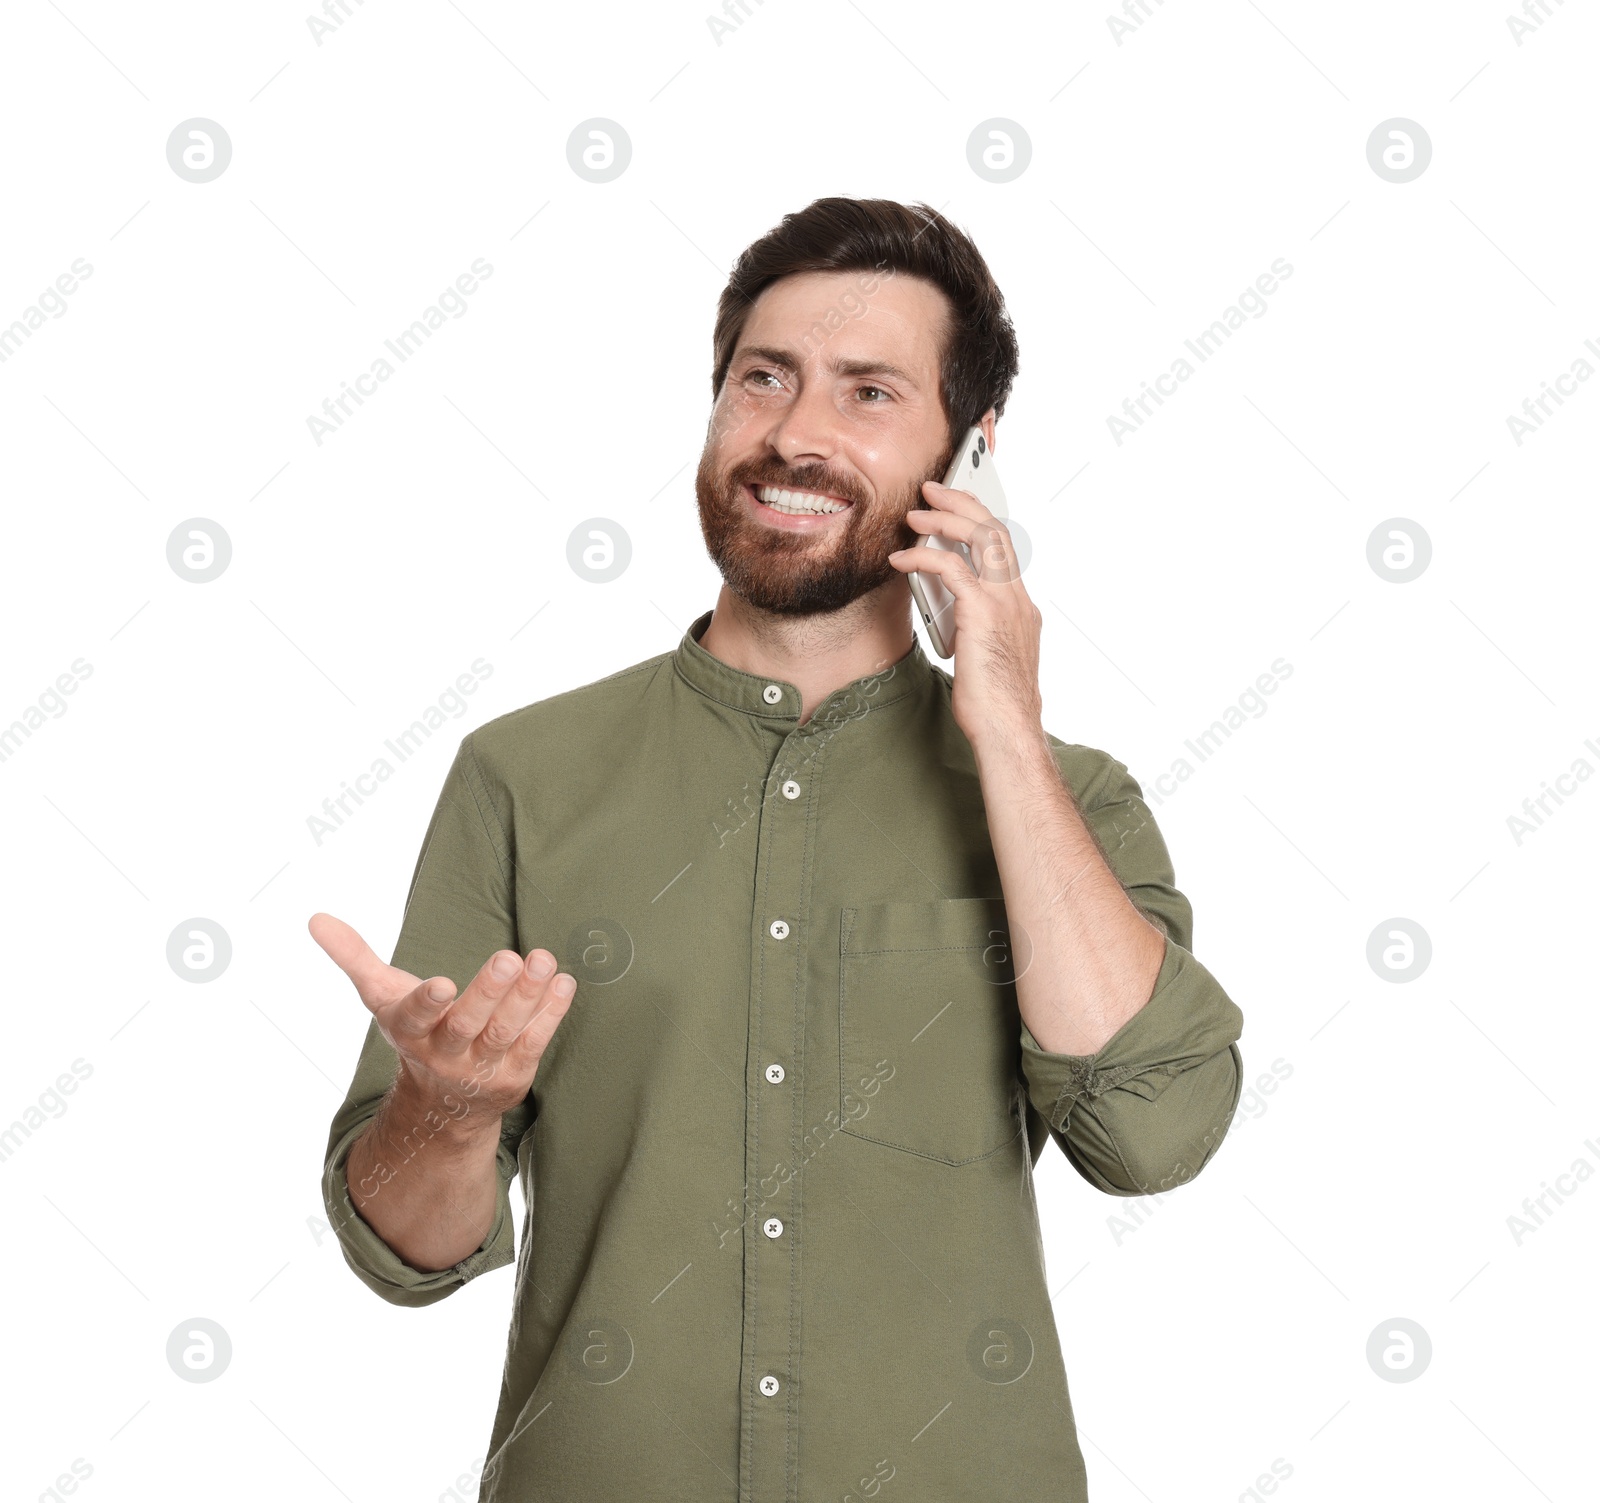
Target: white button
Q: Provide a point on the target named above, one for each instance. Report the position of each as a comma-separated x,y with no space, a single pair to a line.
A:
772,694
772,1227
769,1385
779,929
774,1073
791,789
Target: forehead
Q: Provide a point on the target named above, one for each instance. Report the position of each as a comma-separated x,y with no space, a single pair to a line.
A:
851,315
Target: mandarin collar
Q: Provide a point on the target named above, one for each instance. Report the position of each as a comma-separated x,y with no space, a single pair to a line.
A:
776,698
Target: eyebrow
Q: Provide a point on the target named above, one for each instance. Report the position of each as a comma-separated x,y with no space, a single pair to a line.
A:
784,360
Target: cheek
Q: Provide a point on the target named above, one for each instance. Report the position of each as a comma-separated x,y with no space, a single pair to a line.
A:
884,468
731,420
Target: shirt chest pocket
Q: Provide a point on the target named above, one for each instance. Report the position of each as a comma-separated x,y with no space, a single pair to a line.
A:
929,1034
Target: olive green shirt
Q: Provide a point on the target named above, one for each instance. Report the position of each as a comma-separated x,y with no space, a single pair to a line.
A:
781,1243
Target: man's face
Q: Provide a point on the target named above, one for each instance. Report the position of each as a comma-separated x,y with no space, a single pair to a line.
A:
833,392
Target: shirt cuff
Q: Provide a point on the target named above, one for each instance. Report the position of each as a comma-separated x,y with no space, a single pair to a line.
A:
1104,1106
380,1268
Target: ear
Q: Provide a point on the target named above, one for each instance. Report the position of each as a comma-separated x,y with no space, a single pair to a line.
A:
986,422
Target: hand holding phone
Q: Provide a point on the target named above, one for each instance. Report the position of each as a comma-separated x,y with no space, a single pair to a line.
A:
972,470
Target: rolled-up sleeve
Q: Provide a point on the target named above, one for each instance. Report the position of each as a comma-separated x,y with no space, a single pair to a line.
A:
376,1264
1148,1111
459,911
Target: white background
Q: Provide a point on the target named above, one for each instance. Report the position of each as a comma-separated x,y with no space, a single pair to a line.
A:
1169,170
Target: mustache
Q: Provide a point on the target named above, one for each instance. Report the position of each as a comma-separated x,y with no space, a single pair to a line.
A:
812,477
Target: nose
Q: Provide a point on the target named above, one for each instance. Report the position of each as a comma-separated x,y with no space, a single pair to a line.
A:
807,431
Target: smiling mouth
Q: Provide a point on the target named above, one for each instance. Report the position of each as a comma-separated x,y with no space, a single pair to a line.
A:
794,503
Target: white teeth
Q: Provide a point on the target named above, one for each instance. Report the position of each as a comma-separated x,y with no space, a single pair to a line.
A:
797,503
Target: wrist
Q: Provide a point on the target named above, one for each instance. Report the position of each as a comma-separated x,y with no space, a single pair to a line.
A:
455,1114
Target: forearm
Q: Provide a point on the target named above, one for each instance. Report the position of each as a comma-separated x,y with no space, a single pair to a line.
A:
1086,957
423,1176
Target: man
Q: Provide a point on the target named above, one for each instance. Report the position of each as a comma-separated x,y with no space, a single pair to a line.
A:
851,938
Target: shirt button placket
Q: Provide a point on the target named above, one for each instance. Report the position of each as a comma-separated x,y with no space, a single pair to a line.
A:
773,1128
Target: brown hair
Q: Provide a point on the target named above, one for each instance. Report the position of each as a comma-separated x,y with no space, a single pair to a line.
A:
877,234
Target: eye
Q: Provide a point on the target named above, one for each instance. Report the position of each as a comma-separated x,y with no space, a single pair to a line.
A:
881,392
756,376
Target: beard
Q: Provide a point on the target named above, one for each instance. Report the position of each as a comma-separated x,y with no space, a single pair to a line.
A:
793,573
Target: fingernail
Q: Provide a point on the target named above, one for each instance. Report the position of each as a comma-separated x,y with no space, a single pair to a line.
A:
438,990
505,967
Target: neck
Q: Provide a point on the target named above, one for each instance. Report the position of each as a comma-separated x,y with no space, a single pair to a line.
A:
817,654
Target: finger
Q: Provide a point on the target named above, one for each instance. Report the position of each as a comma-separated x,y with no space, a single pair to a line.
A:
947,498
528,995
994,554
528,1048
952,568
983,534
502,972
946,524
414,1016
374,980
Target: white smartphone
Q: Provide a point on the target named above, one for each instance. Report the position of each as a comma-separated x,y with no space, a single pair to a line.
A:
971,470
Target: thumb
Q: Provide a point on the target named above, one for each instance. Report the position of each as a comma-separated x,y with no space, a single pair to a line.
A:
375,981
